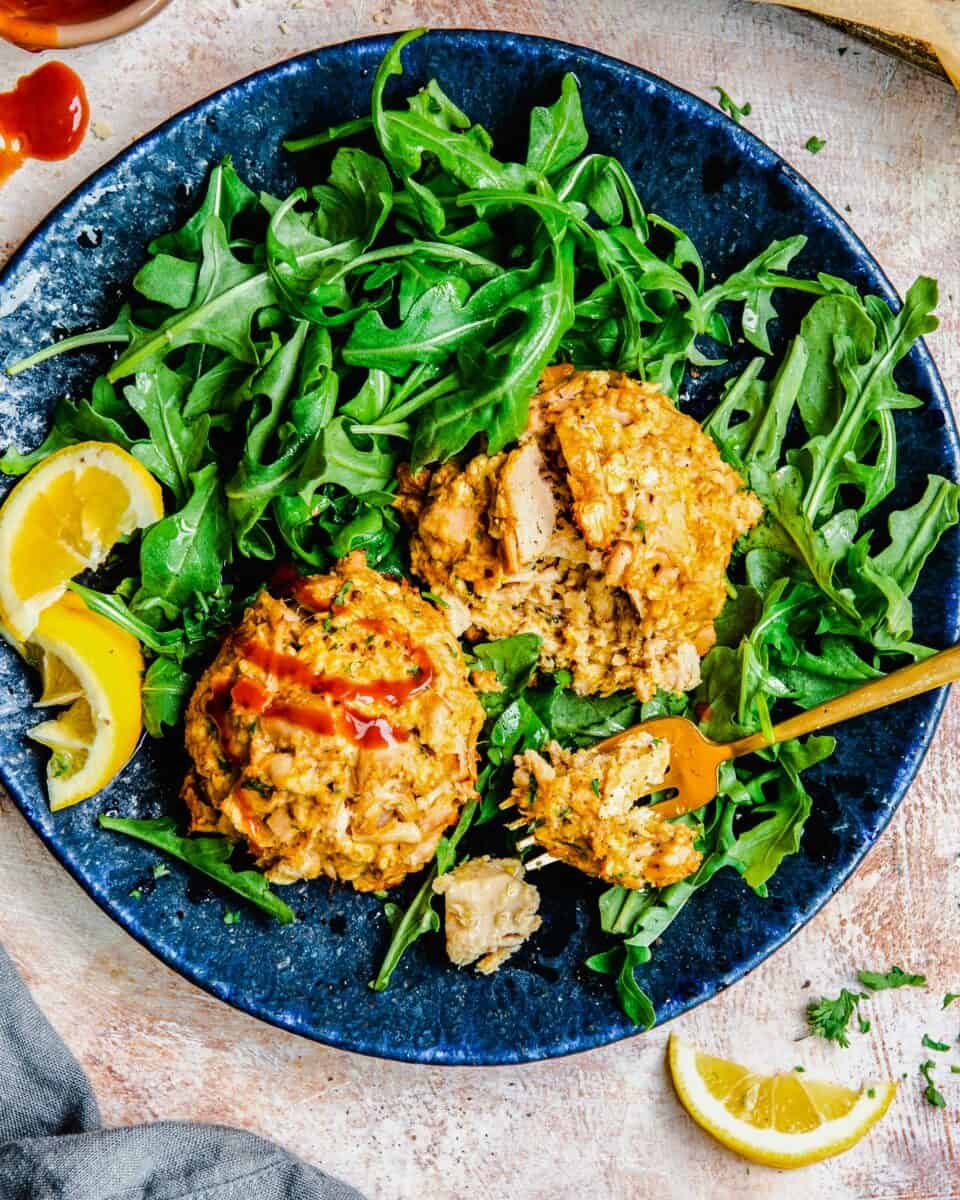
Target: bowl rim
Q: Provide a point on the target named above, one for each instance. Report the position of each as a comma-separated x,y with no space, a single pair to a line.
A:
38,35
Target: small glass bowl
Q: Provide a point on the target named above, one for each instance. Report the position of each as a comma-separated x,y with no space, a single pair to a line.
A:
46,35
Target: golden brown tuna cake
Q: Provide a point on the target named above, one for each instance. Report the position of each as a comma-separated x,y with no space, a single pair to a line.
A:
336,731
582,807
607,531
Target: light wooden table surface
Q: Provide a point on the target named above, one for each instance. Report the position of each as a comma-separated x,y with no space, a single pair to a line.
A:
603,1125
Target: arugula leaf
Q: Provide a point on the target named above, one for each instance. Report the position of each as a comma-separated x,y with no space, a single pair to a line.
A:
226,198
558,135
406,926
168,280
208,855
896,977
184,554
98,419
228,295
498,401
513,659
175,449
763,848
166,689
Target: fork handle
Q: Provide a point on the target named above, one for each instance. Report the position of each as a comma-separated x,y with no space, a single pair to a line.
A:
933,672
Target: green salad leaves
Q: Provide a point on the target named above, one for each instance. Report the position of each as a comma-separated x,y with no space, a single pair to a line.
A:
281,356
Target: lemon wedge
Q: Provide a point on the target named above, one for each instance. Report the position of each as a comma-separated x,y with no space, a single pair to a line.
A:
96,667
782,1120
63,518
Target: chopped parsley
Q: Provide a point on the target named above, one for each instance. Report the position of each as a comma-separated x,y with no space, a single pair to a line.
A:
815,144
342,593
435,599
829,1018
930,1092
160,869
949,999
641,528
327,624
896,977
736,112
800,1070
136,894
930,1044
871,1092
595,784
954,1070
231,916
863,1023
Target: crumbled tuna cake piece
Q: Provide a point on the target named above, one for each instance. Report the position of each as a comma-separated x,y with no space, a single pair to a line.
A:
490,911
335,732
607,531
583,808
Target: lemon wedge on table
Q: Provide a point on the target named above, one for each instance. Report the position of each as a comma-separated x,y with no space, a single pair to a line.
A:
63,518
784,1120
97,667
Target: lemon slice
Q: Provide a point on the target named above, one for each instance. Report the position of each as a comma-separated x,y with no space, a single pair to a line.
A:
98,666
783,1120
63,518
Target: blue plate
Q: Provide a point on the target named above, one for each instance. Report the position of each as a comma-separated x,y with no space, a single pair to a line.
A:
734,195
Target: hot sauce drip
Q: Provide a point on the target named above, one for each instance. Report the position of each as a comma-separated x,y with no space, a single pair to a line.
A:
45,116
338,717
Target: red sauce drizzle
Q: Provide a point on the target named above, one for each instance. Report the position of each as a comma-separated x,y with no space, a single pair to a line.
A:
45,117
339,718
390,691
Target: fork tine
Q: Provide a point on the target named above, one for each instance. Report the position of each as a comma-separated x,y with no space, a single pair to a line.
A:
542,860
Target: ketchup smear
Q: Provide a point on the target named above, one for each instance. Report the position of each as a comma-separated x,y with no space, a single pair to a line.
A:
45,117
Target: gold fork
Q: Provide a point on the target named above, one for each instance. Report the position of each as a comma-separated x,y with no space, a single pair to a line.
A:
695,760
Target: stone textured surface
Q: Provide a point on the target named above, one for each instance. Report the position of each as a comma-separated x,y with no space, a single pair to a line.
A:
603,1124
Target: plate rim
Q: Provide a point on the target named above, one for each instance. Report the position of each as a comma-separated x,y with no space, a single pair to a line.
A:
442,1056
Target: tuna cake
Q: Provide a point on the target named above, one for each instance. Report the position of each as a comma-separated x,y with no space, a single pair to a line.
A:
607,531
582,809
335,733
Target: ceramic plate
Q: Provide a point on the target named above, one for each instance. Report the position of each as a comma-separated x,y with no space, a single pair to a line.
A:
734,196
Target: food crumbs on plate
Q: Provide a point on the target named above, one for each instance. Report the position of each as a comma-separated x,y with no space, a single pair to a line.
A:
44,116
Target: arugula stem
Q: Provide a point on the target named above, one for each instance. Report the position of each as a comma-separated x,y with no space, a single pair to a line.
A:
432,249
334,134
407,930
402,411
97,337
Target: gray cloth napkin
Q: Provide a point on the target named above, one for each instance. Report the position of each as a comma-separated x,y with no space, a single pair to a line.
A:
52,1146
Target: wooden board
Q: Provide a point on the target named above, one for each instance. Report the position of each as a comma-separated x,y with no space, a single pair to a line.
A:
911,50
